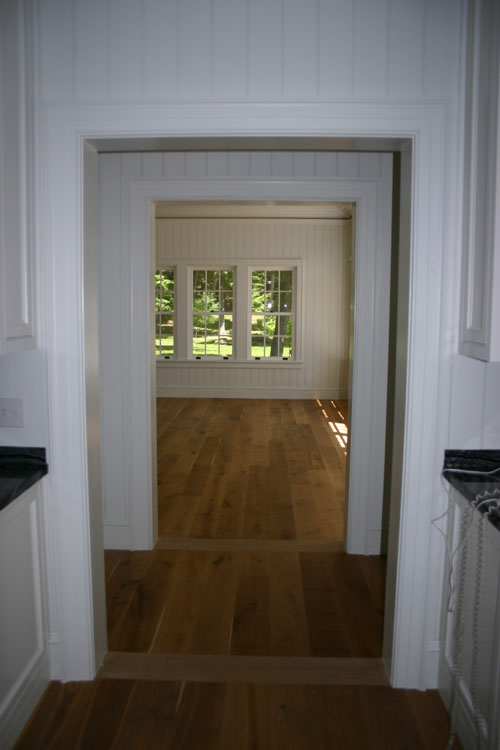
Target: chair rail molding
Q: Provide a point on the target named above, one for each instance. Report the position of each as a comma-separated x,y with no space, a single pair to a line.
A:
363,126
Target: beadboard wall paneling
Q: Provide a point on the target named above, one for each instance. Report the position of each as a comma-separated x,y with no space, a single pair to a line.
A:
77,66
313,378
322,247
248,49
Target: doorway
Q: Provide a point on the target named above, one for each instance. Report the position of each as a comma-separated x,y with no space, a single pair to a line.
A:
131,518
366,197
261,265
420,132
143,231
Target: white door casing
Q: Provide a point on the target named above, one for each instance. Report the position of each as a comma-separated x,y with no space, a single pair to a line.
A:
372,271
60,254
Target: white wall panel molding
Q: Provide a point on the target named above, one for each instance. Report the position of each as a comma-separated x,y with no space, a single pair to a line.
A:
416,608
17,307
479,327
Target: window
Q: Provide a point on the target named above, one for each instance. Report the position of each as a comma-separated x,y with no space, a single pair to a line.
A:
241,311
164,312
272,316
212,308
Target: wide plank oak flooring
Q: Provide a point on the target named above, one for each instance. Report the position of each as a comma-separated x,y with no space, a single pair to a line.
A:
251,468
109,714
247,626
245,601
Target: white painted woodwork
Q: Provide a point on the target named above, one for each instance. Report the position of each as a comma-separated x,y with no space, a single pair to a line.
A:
412,553
17,330
320,249
235,49
480,305
126,460
91,83
397,395
24,663
92,391
488,627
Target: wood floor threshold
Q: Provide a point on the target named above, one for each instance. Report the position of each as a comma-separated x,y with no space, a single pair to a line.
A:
250,545
273,670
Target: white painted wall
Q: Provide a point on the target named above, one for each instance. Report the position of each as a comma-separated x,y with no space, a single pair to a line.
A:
321,250
332,68
475,400
295,50
24,375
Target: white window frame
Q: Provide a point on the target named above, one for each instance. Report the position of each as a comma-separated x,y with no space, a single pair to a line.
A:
241,268
277,265
168,267
190,268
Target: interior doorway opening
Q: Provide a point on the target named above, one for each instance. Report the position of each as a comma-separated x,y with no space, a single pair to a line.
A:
286,265
150,198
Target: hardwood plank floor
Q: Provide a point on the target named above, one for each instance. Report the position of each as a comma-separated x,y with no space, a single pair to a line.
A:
251,469
248,626
251,495
255,601
121,714
257,670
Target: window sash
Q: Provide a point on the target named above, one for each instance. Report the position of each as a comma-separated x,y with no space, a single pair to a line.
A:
272,292
165,283
212,312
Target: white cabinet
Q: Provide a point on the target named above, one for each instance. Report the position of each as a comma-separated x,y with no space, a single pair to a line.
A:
16,182
24,665
480,301
481,628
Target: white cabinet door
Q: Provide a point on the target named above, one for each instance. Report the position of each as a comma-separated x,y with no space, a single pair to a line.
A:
479,657
480,303
24,667
16,182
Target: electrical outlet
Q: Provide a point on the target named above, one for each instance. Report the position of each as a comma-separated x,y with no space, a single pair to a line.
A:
11,412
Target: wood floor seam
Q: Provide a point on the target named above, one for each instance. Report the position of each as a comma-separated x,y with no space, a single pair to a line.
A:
275,670
249,545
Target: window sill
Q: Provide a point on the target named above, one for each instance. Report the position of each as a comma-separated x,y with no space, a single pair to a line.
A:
257,363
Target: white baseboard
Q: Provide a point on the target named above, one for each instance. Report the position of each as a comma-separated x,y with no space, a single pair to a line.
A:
22,700
432,665
374,541
54,649
117,536
285,393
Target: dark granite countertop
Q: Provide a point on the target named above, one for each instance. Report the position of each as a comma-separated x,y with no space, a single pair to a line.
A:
476,475
20,469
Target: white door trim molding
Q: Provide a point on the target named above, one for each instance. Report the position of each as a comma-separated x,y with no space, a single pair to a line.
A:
59,249
371,323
